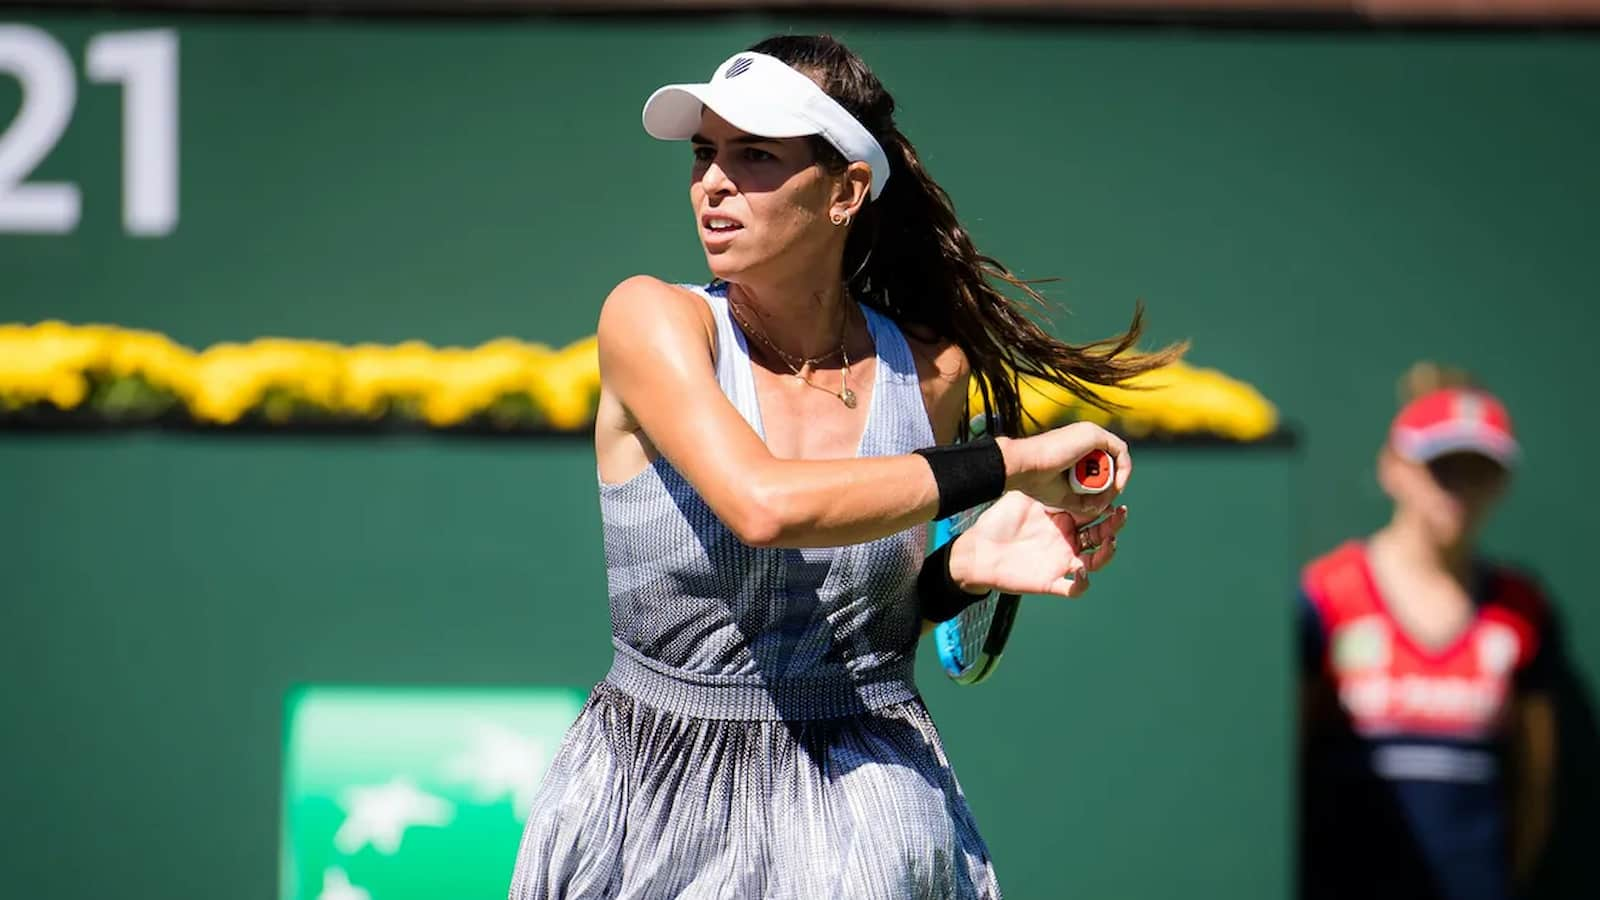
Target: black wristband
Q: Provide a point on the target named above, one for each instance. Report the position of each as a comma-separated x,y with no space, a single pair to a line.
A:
938,594
967,474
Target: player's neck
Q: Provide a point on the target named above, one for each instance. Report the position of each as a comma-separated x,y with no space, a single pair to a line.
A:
806,316
1407,543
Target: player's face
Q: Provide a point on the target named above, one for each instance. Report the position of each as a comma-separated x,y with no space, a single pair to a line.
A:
761,205
1452,495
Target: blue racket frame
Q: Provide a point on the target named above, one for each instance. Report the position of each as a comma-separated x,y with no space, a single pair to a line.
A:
970,644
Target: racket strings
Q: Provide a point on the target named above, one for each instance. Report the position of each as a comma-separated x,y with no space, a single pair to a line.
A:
970,644
975,621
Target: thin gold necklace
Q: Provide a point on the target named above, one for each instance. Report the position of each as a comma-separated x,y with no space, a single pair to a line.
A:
845,395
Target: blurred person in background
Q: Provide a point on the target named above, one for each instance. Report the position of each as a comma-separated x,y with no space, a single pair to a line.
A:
771,448
1428,736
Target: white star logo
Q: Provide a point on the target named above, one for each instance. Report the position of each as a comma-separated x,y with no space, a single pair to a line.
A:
502,763
380,815
336,886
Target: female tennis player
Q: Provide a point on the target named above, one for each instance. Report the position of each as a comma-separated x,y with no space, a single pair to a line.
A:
771,448
1429,739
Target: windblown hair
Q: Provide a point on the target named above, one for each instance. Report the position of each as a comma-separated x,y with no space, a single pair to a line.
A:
909,257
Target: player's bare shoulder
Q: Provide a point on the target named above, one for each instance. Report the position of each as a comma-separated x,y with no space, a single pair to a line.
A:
943,371
644,322
643,309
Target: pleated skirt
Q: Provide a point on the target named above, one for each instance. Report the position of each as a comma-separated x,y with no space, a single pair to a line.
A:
645,803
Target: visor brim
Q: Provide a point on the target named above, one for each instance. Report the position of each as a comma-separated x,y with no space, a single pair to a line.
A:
673,113
1506,453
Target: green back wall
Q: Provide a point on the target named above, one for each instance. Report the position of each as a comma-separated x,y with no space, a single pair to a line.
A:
1314,211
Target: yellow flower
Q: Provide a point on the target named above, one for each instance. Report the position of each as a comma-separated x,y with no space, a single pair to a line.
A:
569,387
49,362
466,382
231,379
376,375
151,356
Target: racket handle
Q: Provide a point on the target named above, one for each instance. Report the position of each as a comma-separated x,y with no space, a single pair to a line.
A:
1093,474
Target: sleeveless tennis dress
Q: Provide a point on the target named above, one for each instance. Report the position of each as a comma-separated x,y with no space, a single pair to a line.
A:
759,734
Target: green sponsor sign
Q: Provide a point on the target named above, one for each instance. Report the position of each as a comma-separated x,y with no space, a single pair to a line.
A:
396,793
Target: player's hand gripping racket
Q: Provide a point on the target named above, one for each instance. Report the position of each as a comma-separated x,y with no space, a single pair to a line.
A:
970,644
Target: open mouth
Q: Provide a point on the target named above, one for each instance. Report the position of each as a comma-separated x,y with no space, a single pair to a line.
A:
720,225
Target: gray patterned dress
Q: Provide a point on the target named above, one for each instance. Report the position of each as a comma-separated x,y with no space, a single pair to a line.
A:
759,734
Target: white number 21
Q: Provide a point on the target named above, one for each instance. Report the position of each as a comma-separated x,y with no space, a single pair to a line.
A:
145,63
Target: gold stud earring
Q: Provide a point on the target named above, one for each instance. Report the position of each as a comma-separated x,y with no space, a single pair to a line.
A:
839,218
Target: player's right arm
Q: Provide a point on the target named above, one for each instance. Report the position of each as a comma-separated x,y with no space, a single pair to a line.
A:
657,367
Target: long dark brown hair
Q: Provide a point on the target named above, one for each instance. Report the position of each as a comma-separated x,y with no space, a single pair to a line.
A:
909,257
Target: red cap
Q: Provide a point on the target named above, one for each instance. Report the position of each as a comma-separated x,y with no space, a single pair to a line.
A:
1455,420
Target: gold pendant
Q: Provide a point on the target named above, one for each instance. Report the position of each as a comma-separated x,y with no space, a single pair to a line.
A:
849,398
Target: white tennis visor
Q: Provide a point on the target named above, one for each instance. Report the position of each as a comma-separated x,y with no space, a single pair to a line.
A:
761,95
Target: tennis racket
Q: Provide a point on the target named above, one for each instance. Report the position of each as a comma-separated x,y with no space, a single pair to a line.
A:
970,644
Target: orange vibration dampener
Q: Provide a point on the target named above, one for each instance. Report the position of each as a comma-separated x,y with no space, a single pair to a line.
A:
1092,474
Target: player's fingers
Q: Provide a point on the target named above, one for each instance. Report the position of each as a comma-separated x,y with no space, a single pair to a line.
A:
1080,584
1098,533
1101,557
1061,587
1118,448
1064,586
